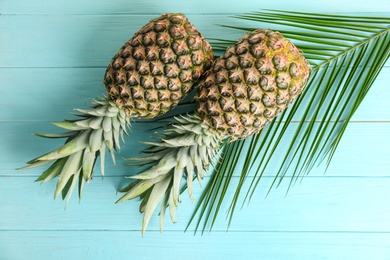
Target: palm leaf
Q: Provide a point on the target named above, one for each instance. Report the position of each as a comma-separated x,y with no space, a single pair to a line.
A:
346,53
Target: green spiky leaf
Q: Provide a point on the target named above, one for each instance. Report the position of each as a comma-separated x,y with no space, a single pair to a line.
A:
90,136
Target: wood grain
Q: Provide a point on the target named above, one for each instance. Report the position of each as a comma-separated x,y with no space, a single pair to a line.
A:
317,204
85,41
148,7
361,152
38,99
53,58
101,244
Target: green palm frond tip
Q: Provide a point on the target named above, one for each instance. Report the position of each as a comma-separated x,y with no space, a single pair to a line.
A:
100,128
346,53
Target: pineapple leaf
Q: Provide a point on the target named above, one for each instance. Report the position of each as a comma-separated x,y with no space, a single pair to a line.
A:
89,159
158,192
69,125
73,146
87,140
74,179
346,53
81,186
53,171
34,163
70,168
60,135
139,187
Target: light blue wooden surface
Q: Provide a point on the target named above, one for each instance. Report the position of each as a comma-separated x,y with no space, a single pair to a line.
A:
52,59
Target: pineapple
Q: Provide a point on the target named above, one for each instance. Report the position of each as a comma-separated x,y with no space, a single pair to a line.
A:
148,76
156,68
244,90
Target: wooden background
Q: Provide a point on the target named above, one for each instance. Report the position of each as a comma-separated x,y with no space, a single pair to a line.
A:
52,59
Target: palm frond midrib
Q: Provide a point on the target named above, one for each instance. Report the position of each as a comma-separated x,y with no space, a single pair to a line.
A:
352,49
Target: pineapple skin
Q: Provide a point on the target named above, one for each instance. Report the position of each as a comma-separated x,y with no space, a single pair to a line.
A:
251,83
158,66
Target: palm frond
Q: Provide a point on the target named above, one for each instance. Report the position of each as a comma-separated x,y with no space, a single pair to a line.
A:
346,53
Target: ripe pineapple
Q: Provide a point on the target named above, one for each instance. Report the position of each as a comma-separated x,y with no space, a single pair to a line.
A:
246,88
148,76
156,68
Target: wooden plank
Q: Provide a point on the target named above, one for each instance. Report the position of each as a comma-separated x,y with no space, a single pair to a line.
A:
82,41
50,94
361,152
190,6
318,204
88,40
174,245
